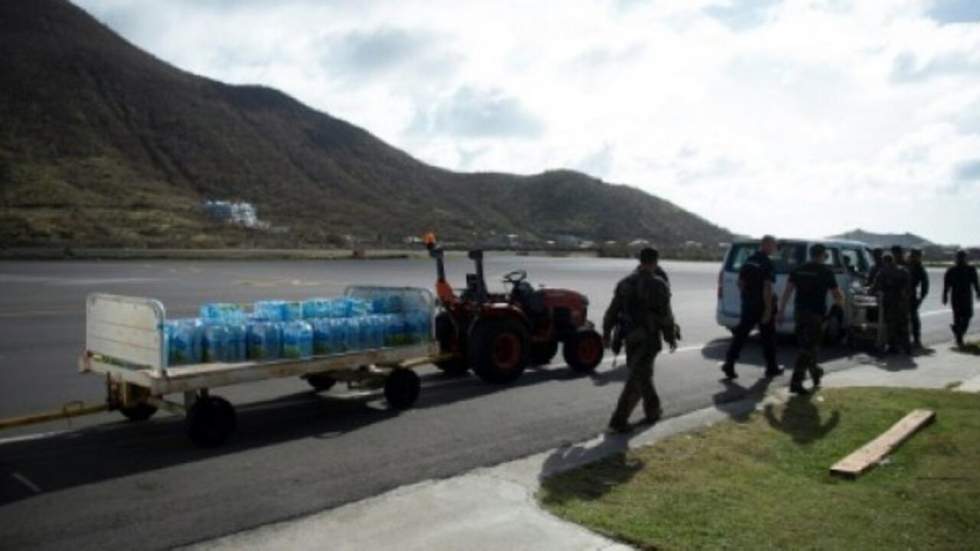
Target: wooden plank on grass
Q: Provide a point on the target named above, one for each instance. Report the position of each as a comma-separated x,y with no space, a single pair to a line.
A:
871,453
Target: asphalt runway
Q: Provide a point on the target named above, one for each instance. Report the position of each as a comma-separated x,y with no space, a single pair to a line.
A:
99,481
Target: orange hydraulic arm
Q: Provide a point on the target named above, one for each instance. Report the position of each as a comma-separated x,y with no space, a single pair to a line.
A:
443,289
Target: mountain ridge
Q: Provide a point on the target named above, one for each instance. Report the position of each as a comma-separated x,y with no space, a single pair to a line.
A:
104,144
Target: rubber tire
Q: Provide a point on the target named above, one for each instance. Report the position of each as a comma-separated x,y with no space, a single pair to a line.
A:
573,348
139,412
454,367
321,382
402,388
482,340
543,352
210,421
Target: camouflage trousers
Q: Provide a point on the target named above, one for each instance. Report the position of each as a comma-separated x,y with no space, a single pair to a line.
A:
809,334
640,353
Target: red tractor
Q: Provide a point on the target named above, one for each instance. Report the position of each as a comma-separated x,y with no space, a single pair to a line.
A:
499,334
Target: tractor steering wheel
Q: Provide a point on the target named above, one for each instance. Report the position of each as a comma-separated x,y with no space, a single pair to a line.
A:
515,277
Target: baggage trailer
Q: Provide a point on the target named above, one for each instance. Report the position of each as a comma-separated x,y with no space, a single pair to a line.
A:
125,343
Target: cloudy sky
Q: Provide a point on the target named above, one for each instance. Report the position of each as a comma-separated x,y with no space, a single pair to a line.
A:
801,118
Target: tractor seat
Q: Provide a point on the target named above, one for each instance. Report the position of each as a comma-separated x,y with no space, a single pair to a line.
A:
530,300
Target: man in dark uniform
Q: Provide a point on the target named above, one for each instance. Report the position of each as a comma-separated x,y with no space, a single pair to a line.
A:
919,289
811,282
893,283
641,310
898,253
876,254
960,279
755,280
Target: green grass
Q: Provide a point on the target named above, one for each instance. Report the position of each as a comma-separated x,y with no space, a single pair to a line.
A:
972,347
765,483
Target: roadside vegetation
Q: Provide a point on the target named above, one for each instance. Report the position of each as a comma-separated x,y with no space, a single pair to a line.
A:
765,482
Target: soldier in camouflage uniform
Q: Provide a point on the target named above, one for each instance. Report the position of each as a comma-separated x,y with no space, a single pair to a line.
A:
894,284
640,310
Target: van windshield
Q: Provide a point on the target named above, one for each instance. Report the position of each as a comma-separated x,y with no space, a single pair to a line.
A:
786,258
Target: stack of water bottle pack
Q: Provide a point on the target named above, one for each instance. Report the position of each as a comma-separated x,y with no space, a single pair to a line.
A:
375,318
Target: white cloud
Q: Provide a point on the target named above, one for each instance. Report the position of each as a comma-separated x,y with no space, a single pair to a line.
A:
799,117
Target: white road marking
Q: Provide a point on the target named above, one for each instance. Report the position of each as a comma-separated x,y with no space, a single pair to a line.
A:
26,482
29,437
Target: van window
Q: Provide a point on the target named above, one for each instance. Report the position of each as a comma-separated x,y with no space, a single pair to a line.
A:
856,259
786,258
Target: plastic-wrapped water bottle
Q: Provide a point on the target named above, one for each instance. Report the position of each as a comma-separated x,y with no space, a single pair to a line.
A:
340,337
357,307
323,336
354,340
316,308
222,312
292,310
394,332
263,340
237,343
270,310
419,327
216,341
376,332
297,340
186,346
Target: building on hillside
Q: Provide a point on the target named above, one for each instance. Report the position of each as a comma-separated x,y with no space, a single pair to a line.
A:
240,213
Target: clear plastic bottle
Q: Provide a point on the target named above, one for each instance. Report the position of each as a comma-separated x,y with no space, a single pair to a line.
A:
237,342
323,338
222,312
264,340
186,346
297,339
216,341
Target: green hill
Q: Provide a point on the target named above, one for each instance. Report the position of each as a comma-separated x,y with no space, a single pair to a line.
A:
102,144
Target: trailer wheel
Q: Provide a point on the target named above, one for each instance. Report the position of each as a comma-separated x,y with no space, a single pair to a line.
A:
321,382
543,352
583,351
499,350
210,421
139,412
402,388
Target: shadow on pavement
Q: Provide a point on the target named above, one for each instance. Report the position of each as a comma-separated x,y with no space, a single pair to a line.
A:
604,467
801,420
114,450
891,362
737,401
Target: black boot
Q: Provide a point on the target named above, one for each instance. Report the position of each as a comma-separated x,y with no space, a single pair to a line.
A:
817,375
774,371
729,370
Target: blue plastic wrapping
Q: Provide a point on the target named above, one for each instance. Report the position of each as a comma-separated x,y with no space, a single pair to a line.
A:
297,340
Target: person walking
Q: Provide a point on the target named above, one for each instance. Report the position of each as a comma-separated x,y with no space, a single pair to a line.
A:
810,283
756,278
919,287
893,282
959,280
641,312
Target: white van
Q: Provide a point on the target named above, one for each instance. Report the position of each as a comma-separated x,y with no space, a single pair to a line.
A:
850,260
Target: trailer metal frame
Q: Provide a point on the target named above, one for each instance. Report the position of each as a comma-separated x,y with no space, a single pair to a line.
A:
125,343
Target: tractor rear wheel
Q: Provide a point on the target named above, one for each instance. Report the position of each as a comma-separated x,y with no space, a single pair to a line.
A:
448,338
583,351
499,350
543,352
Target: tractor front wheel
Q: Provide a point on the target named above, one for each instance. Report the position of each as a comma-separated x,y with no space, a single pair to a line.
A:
499,350
583,351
